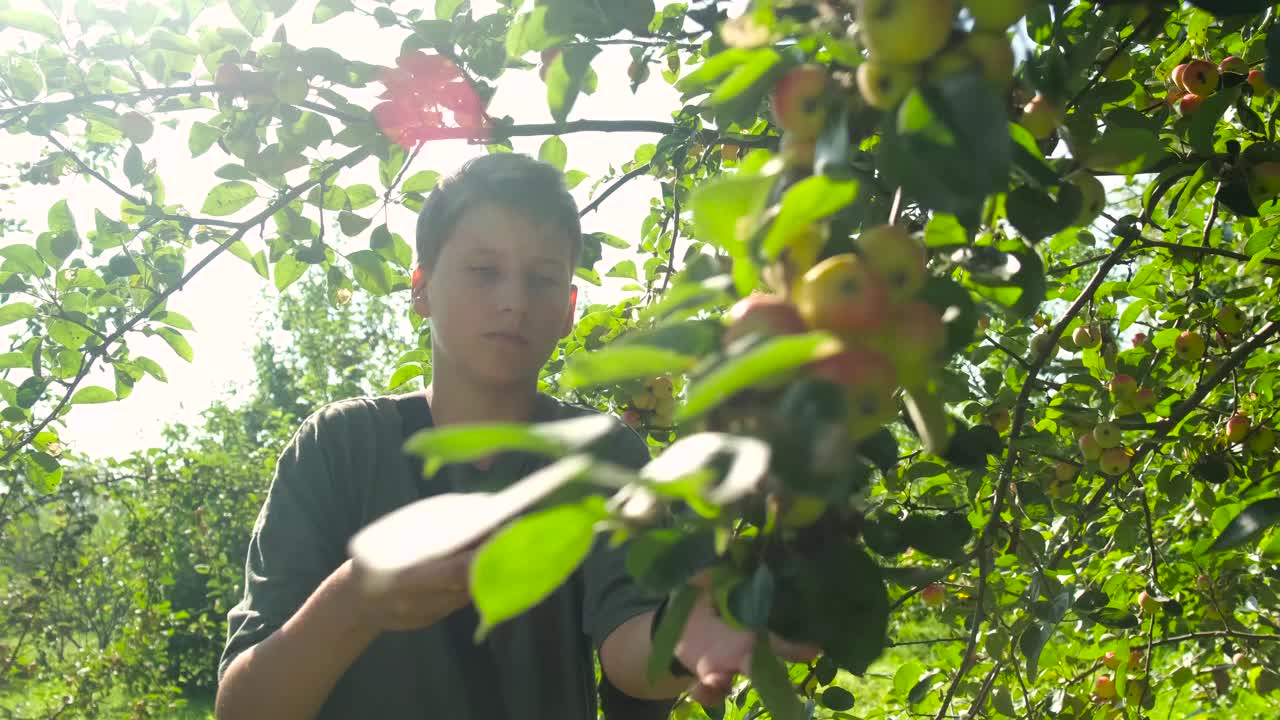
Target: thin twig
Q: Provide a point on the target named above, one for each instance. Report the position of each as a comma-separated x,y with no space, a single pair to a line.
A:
1102,67
634,173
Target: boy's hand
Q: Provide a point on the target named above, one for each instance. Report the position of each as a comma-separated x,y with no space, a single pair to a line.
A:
716,653
417,597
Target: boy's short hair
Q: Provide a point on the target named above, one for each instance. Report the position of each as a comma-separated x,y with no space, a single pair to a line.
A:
512,180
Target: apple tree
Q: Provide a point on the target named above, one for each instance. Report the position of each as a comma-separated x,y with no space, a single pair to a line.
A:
949,313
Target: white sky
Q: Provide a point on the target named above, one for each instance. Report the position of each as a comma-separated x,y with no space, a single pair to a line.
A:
223,300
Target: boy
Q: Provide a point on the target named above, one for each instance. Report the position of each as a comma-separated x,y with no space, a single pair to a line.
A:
497,246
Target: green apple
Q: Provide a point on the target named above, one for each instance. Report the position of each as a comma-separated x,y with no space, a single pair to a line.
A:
1258,81
1115,461
1233,64
994,53
1119,67
883,86
904,31
896,257
1093,194
932,595
1189,346
1105,687
1107,434
913,341
1089,447
1230,319
1200,77
869,382
1123,386
996,14
764,315
1237,428
1086,336
799,101
1261,440
1041,344
844,295
1188,104
1040,117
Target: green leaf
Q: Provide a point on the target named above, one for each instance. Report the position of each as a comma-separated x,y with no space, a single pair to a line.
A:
838,699
565,79
1249,524
24,259
679,606
371,271
456,443
529,33
616,363
202,138
421,181
766,360
250,14
773,684
177,342
174,319
361,196
12,312
11,360
288,269
553,151
804,203
91,395
327,10
715,68
404,374
445,9
527,560
31,22
228,197
1205,120
745,75
25,78
67,334
152,368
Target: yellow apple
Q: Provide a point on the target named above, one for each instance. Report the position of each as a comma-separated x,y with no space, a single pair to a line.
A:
799,101
996,14
1040,117
896,257
883,86
904,31
844,295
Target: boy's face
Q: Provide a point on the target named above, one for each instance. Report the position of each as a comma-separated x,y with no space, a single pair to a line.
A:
498,294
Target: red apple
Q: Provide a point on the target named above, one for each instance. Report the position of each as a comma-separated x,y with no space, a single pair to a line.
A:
1123,386
1105,687
1189,346
799,101
1040,117
1188,104
1145,399
1089,447
1200,78
844,295
1258,81
761,314
1177,75
932,595
1233,64
1237,428
1147,603
1138,339
1115,461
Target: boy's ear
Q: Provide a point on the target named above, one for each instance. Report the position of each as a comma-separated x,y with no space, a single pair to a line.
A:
419,281
573,309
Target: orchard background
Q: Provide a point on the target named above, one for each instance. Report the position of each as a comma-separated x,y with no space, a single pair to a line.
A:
1032,478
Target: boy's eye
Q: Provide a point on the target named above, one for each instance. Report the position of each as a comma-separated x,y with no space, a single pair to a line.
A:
484,269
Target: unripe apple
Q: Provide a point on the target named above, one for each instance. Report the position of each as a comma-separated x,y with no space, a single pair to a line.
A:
1089,447
761,314
1123,386
1138,339
1200,78
1261,441
1237,428
1241,660
729,152
799,101
1040,117
1086,336
996,14
1188,104
1111,660
664,411
644,400
1093,194
638,71
869,381
1105,687
1064,472
994,54
1145,399
999,419
1120,66
883,86
1264,180
632,419
1115,461
1041,344
1147,603
896,257
1189,346
1233,64
1258,81
904,31
932,595
136,127
843,295
1107,434
913,341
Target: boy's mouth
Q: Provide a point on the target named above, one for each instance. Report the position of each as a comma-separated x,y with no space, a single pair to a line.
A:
507,337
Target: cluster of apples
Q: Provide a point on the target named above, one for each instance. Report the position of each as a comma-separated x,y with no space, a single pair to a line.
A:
1239,430
913,41
653,405
1191,82
1103,445
1104,687
869,299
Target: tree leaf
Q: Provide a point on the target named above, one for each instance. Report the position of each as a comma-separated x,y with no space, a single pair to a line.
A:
421,181
617,363
371,271
228,197
773,684
288,269
804,203
527,560
679,606
565,79
91,395
177,342
12,312
763,361
1249,524
31,22
554,152
454,444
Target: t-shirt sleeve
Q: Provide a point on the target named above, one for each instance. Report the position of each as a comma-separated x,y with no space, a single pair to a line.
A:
611,596
296,541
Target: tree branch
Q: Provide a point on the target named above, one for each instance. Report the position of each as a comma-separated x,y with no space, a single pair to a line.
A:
634,173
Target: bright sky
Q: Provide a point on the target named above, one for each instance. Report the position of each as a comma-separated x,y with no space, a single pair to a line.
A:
224,299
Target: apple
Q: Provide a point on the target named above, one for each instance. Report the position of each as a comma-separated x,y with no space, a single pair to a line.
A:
1237,428
1123,386
994,54
1107,434
798,152
1189,346
638,71
1094,195
1105,687
951,61
762,314
1261,440
1089,447
1111,660
998,419
883,86
1177,75
1241,660
632,419
1115,461
1040,117
869,381
729,152
644,400
664,411
932,595
1064,472
913,341
136,127
1138,339
904,31
1086,336
799,101
1200,78
1258,81
996,14
844,295
1120,66
1264,180
227,77
342,296
1041,344
897,257
1147,603
1145,399
1233,64
1188,104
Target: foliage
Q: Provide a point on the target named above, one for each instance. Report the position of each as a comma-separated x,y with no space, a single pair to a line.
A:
1039,547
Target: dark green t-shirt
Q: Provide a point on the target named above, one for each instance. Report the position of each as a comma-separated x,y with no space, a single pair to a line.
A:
345,468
